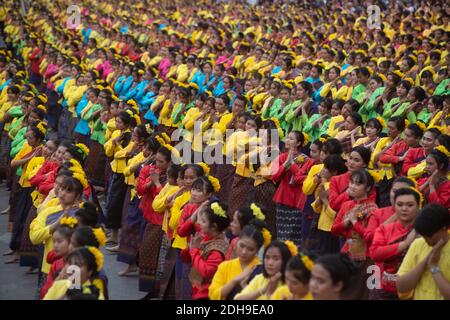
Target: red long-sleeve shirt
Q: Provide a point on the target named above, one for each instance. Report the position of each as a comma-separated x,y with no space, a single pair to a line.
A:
412,158
35,61
440,196
339,228
40,176
384,249
393,153
289,191
148,194
337,192
206,267
57,264
377,218
186,228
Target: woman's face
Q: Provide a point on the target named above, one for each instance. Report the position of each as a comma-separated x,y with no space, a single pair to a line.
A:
431,165
357,190
295,286
373,85
273,261
204,223
67,198
402,91
235,225
350,123
251,125
335,111
300,92
406,208
31,139
411,95
332,75
85,274
207,68
321,285
60,244
428,141
135,136
273,90
189,177
241,123
371,131
161,162
284,94
410,139
393,132
246,248
292,142
314,151
49,149
226,83
221,107
355,162
199,196
120,125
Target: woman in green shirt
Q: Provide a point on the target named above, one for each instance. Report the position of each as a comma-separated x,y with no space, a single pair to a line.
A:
318,123
417,109
375,90
297,116
397,107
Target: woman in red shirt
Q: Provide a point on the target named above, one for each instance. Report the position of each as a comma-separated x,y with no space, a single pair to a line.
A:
437,187
207,250
358,159
150,182
391,241
289,199
351,222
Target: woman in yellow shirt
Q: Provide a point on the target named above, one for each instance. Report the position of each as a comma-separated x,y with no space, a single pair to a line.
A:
231,273
118,148
275,258
297,275
33,147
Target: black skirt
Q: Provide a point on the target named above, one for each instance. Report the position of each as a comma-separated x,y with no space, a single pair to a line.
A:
114,201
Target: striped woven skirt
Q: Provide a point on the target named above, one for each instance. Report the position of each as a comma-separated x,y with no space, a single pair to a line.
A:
289,224
28,251
225,173
239,194
95,164
148,258
263,196
20,216
66,125
130,234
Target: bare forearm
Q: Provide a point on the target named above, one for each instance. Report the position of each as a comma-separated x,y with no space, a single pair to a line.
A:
409,281
442,284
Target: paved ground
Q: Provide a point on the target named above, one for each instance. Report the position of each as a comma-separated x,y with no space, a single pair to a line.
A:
15,284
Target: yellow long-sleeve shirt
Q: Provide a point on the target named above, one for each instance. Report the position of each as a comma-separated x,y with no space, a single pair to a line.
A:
175,214
119,153
130,177
327,215
159,203
309,186
227,271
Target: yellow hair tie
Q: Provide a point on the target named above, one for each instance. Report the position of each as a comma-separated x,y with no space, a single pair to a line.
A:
83,148
166,137
41,128
205,167
419,194
80,177
137,119
218,210
306,138
399,73
292,247
215,183
382,77
375,175
410,80
71,222
98,256
43,98
421,125
307,262
160,140
257,212
443,150
100,236
381,121
267,237
41,107
130,113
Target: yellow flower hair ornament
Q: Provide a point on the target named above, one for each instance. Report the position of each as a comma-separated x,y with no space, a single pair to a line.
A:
306,138
267,237
41,128
375,175
218,210
137,119
443,150
160,140
98,256
71,222
100,236
419,194
307,262
43,98
42,107
215,183
292,247
381,121
81,178
166,137
205,167
421,125
382,76
83,148
257,212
